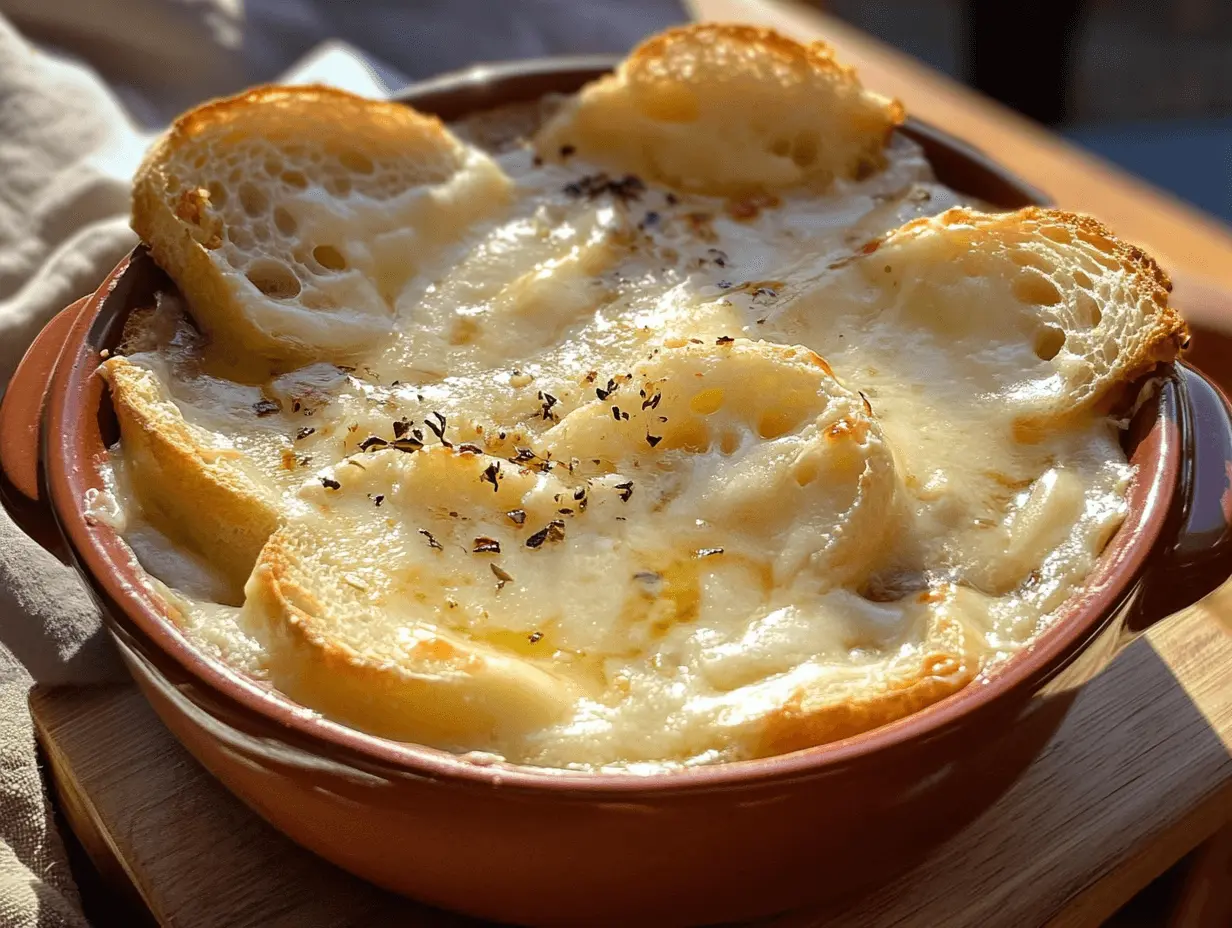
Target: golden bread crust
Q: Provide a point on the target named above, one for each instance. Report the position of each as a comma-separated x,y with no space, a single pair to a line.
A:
1087,313
1152,332
258,207
900,688
338,637
190,490
727,110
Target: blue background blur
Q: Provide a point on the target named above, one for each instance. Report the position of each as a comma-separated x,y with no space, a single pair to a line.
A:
1149,82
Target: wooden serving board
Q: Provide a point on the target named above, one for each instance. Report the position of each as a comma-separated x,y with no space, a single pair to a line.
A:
1139,774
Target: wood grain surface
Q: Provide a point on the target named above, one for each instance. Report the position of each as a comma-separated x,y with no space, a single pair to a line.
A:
1138,776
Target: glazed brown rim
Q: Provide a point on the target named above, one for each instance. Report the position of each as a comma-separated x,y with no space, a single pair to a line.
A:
72,439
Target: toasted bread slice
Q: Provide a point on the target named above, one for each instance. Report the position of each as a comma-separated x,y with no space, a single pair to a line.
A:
813,706
373,610
1045,311
293,217
192,485
804,476
726,110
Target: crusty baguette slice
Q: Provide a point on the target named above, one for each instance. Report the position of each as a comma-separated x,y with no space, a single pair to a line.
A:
818,705
805,480
191,485
293,217
726,110
365,600
1045,311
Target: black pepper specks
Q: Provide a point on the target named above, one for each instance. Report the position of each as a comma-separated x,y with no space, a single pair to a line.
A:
491,474
407,444
330,484
517,516
653,440
266,407
625,189
502,575
548,401
437,425
535,637
371,442
486,545
304,433
432,542
554,531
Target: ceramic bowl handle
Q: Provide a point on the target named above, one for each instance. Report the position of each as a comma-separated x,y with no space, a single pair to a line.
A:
1198,557
21,416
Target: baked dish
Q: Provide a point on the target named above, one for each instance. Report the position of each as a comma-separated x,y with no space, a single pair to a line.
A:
684,420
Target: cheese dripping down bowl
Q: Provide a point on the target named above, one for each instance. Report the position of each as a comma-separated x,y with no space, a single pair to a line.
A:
541,845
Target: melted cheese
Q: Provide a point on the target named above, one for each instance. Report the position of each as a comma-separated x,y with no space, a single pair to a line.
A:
753,514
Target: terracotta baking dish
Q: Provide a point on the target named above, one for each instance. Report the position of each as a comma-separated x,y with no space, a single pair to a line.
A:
712,844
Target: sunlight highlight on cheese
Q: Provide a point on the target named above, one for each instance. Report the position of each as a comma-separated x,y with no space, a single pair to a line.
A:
642,477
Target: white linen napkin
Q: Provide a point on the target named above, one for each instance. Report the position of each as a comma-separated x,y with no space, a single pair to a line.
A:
67,154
